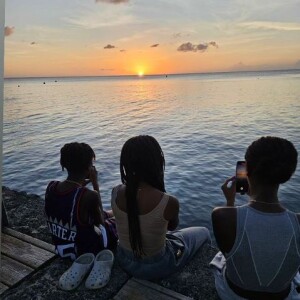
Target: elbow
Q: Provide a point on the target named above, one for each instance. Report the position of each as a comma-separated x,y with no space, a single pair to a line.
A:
173,225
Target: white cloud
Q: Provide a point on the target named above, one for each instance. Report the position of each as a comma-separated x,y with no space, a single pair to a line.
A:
282,26
113,1
131,38
104,17
184,34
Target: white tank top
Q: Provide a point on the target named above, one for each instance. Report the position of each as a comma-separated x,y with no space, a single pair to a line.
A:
266,253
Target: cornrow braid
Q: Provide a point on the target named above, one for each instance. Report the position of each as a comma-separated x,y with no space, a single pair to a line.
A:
76,157
141,159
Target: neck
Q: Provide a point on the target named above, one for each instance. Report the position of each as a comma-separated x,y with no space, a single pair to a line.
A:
144,185
266,193
75,179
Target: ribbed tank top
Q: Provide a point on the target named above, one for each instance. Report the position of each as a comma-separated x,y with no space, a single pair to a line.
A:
265,256
153,226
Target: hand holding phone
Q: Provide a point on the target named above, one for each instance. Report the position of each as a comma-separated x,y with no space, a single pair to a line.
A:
241,181
228,189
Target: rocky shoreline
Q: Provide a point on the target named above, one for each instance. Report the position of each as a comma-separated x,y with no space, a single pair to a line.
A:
26,214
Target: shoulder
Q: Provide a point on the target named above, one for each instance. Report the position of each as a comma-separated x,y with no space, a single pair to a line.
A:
224,227
50,189
223,213
90,197
51,184
117,188
223,218
173,202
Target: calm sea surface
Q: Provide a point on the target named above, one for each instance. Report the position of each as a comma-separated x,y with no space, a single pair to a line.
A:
204,123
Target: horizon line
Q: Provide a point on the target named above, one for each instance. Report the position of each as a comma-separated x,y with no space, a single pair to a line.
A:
153,75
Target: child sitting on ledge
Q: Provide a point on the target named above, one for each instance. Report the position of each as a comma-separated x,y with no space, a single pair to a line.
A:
146,216
74,213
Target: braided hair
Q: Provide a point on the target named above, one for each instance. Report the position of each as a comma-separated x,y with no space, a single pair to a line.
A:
141,159
76,157
271,160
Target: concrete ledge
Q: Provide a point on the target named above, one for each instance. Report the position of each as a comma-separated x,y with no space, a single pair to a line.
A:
136,289
25,213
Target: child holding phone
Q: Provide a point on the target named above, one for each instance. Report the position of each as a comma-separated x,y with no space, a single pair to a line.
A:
259,241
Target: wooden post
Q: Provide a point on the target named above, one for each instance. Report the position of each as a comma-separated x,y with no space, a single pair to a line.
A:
2,15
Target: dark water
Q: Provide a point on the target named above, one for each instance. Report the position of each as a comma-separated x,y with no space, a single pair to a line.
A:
204,124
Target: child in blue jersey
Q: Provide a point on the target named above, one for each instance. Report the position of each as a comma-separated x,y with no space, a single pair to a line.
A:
74,213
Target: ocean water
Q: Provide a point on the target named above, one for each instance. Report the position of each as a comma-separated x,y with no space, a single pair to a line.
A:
203,122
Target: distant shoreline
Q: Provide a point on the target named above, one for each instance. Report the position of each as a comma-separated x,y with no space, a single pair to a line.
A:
155,75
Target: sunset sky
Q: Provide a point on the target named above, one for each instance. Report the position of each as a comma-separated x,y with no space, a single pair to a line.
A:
118,37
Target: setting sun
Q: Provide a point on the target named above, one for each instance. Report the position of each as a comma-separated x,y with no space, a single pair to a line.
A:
193,44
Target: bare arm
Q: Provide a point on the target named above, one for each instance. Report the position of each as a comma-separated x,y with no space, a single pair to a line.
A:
224,218
96,210
171,213
94,180
224,227
89,209
229,191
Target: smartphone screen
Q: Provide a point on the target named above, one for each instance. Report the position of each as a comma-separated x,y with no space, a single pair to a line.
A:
241,178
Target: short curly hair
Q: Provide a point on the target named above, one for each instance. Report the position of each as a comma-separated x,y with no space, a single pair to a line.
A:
271,160
76,157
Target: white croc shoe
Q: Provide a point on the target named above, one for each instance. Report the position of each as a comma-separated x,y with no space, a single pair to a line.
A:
72,278
100,274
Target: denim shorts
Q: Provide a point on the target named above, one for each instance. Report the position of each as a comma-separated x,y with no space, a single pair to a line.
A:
180,246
